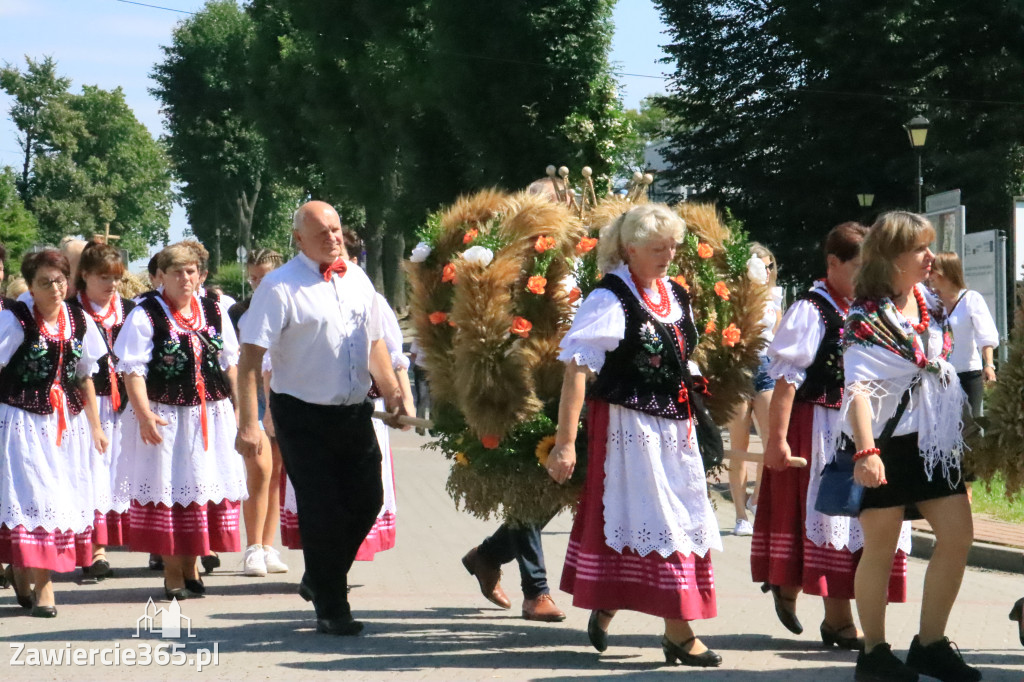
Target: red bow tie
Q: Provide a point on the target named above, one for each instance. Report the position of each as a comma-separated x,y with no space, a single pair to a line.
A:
339,266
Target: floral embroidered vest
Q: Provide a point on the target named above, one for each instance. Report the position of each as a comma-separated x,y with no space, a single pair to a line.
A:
645,370
101,380
26,380
171,371
824,380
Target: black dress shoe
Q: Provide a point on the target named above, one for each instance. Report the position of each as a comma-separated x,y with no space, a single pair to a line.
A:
1017,614
44,611
180,593
941,660
305,591
195,586
675,652
210,562
342,627
156,562
598,637
99,570
786,617
881,665
831,636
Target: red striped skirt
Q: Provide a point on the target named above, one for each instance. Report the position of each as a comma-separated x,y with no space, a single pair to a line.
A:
110,529
193,530
781,553
679,587
59,551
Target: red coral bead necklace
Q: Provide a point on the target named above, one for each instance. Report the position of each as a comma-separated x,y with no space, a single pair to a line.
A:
664,305
844,307
922,310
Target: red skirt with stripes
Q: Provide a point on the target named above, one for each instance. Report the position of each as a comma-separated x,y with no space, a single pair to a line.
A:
59,551
110,529
680,587
781,553
193,530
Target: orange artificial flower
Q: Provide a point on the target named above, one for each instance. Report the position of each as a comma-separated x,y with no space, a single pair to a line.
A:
710,327
585,245
437,317
544,243
451,323
681,281
574,294
536,284
722,290
490,442
470,236
448,273
461,459
731,335
521,327
705,250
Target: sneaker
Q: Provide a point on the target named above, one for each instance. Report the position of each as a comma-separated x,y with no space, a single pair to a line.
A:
743,527
273,560
941,660
255,562
881,665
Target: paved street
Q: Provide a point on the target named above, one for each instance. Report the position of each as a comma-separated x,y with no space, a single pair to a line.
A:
426,619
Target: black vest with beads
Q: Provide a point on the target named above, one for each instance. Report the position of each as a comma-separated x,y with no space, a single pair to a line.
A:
101,380
824,382
171,377
26,380
645,370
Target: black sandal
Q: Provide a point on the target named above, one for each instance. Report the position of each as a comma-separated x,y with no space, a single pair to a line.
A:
1017,614
675,652
831,636
598,637
786,617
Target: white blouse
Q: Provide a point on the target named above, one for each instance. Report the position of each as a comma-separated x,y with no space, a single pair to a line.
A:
392,334
134,345
973,328
93,345
796,342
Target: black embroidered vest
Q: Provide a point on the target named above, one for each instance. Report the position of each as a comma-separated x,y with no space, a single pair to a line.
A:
101,380
26,380
171,378
5,302
824,381
645,370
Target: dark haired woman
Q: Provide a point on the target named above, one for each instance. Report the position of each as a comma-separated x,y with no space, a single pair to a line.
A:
100,270
897,343
796,548
49,427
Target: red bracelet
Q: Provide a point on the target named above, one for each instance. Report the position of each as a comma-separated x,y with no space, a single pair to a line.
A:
861,454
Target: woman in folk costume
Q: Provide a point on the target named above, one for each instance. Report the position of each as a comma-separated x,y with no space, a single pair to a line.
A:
186,482
897,340
382,536
645,525
49,429
796,548
99,271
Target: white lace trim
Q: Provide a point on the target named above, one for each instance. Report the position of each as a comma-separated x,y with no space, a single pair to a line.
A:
139,368
590,357
655,488
788,372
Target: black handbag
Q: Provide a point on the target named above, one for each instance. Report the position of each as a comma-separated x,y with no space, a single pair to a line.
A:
838,493
709,435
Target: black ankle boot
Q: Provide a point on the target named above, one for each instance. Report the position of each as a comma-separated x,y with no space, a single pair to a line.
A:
941,660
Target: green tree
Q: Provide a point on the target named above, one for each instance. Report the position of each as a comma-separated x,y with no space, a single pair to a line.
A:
18,229
115,173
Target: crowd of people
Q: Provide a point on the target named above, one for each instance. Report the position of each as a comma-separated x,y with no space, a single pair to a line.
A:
122,420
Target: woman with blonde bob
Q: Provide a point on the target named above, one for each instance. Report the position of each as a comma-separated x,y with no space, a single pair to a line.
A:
644,526
897,342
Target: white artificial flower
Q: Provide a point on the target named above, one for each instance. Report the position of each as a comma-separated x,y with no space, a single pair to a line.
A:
479,255
757,271
420,252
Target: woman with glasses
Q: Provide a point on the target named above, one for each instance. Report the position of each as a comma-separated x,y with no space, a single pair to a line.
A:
757,408
49,430
100,269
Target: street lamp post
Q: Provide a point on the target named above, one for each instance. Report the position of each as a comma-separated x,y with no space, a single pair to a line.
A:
865,200
917,131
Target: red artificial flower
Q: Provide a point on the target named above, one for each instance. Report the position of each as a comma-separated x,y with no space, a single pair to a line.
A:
544,243
722,290
710,327
448,273
437,317
470,236
705,250
490,442
536,284
521,327
681,281
586,244
731,336
574,294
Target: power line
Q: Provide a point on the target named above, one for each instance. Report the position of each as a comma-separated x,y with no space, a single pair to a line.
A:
166,9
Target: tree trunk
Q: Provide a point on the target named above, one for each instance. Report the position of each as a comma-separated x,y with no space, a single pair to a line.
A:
246,210
394,275
27,166
373,237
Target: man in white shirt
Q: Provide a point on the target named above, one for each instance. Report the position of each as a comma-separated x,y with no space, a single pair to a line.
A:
321,322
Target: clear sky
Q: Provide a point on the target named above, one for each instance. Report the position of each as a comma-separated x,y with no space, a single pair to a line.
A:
110,43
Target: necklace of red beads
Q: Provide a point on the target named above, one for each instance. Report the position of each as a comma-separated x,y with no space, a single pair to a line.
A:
97,318
44,330
664,305
840,301
189,323
922,310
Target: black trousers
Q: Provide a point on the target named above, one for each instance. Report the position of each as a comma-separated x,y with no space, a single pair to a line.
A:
331,455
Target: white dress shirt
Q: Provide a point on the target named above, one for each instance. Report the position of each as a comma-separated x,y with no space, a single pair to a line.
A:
973,328
319,333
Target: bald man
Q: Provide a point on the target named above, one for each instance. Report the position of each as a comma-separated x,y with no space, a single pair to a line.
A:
321,322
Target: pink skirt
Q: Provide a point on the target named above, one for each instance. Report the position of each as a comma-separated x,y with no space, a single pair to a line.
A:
59,551
193,530
679,587
110,529
780,552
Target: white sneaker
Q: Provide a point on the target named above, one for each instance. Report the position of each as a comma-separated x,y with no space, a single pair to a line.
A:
255,562
743,527
273,560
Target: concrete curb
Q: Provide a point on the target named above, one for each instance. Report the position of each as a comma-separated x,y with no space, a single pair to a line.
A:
982,555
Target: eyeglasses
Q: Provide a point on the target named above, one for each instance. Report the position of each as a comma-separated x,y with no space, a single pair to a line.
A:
58,283
770,266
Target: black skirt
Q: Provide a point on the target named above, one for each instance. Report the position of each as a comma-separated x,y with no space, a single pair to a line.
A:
907,482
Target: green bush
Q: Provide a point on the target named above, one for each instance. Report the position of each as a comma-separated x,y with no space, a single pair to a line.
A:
229,278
